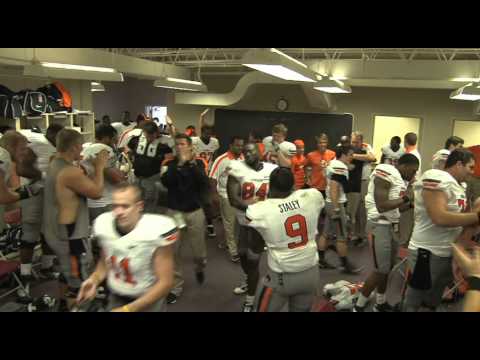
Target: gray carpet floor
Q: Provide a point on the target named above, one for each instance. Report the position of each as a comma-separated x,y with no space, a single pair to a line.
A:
222,275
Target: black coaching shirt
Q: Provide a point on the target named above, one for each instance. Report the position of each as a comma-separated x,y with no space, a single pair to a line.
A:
147,166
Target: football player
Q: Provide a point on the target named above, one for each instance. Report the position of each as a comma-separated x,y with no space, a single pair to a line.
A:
440,157
277,150
205,146
247,184
385,199
137,255
392,152
337,183
440,214
287,222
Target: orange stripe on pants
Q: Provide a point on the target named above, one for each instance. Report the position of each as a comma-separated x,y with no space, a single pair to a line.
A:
74,265
265,300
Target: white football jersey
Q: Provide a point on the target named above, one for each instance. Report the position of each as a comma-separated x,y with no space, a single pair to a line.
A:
426,235
339,168
129,257
287,148
252,183
398,188
391,157
205,151
289,228
439,159
419,157
220,170
126,136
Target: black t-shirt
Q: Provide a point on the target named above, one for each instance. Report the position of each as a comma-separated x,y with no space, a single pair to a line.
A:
188,185
146,166
355,175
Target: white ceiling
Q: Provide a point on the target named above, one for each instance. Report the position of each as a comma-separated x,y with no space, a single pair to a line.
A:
434,68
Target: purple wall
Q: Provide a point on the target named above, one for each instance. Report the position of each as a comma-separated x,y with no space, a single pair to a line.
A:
131,95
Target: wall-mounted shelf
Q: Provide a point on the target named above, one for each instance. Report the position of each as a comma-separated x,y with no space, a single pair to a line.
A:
85,120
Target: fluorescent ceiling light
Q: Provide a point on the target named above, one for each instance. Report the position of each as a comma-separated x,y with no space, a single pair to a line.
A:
38,70
184,81
465,79
469,92
96,86
77,67
180,84
278,64
332,86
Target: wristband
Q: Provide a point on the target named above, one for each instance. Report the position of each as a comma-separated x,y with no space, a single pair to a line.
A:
23,192
473,283
125,308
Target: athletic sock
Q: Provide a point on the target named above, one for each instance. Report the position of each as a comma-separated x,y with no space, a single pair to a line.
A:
249,299
381,299
47,261
362,300
343,260
321,254
26,269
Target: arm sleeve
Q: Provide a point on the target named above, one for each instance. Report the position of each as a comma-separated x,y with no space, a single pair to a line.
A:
254,217
434,181
169,179
168,234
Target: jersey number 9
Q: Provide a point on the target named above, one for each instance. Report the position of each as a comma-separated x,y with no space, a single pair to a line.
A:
300,230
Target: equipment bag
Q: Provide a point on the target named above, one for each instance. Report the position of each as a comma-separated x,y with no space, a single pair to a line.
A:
4,102
34,102
14,108
66,96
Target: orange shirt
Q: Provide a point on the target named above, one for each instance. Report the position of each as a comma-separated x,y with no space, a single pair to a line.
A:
319,162
476,153
261,147
298,170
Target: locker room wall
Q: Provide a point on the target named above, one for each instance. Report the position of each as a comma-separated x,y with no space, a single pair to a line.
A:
303,126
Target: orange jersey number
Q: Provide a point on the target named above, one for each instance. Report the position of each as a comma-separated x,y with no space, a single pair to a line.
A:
248,190
301,230
123,266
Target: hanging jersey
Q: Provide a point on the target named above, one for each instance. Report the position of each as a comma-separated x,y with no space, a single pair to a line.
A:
398,188
219,172
439,159
391,157
253,184
129,257
289,228
426,235
336,169
205,151
286,148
